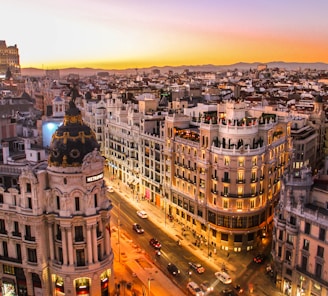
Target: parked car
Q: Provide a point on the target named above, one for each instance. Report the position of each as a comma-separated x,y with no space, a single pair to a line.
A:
155,243
110,189
206,287
238,289
223,277
259,258
172,269
137,228
142,214
228,292
194,289
197,267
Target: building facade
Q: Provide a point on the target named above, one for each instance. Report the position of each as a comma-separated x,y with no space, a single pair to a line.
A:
55,217
299,248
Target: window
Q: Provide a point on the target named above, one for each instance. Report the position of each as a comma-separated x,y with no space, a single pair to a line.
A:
79,234
306,244
226,161
304,263
318,270
29,202
58,232
225,190
3,226
322,234
58,202
80,259
241,162
281,235
28,187
239,205
225,204
60,255
307,228
288,256
1,198
290,239
5,249
95,198
320,251
18,252
224,236
77,204
31,255
252,203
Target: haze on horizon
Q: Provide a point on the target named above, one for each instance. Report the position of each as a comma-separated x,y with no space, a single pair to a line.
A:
124,34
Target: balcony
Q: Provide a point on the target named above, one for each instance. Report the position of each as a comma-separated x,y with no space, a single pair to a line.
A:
16,233
29,238
10,259
240,181
254,180
225,180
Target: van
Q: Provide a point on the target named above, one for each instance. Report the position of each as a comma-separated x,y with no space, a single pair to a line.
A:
194,289
223,277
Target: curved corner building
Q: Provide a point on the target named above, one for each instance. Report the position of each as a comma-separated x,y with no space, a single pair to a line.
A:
223,171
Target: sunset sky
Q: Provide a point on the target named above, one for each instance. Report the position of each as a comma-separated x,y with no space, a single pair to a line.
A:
123,34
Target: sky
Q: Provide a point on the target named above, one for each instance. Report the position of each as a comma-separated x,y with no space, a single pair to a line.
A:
122,34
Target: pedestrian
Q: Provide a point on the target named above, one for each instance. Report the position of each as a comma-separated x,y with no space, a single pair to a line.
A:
214,251
228,254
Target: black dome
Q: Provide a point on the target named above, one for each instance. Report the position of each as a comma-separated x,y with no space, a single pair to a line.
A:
71,141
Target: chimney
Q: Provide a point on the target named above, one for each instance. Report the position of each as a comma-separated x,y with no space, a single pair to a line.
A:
5,152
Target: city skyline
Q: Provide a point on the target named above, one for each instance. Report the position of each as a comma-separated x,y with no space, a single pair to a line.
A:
135,34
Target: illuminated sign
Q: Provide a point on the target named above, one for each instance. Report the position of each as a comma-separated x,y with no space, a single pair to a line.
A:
95,178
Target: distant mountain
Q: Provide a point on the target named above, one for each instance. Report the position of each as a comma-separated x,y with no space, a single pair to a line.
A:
165,69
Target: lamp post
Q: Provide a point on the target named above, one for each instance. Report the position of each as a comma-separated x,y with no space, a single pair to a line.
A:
118,232
149,279
208,239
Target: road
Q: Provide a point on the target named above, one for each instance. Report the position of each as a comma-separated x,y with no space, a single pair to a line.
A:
125,213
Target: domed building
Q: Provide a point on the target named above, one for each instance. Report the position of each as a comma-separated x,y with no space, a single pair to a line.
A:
78,210
55,216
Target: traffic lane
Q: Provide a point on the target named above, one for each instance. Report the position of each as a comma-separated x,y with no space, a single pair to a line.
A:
171,251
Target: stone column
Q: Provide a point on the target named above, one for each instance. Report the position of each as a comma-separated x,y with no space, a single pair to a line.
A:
51,241
70,246
106,232
89,244
64,245
94,243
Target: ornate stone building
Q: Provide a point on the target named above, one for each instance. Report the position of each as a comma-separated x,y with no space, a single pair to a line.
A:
299,248
54,217
223,170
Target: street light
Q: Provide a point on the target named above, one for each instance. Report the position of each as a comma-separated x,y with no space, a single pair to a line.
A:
208,239
149,279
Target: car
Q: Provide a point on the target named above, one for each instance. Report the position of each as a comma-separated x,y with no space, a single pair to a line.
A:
197,267
172,269
228,292
142,214
223,277
238,289
194,289
137,228
259,258
155,243
206,287
110,189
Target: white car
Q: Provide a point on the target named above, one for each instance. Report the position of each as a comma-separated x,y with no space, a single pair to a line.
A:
110,189
223,277
194,289
142,214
